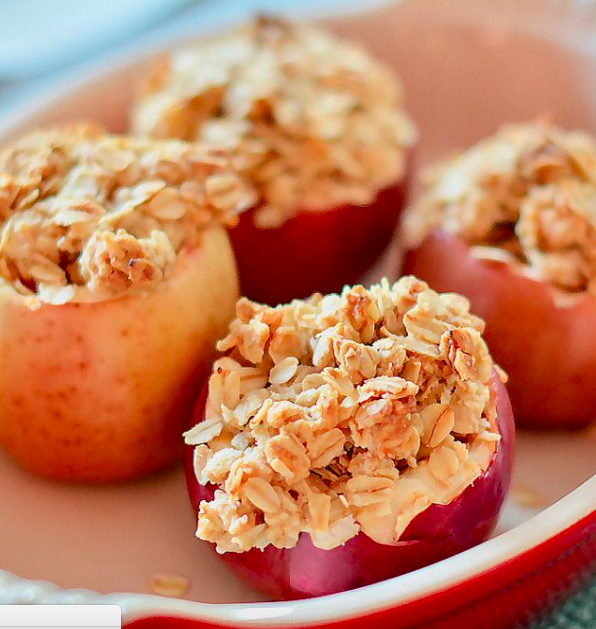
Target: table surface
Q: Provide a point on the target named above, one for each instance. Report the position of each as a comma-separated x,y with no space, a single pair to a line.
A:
579,612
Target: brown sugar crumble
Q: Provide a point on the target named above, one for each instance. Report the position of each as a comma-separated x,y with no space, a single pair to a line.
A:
341,414
317,121
524,197
87,216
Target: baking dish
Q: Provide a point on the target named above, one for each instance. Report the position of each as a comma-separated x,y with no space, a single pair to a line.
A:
467,68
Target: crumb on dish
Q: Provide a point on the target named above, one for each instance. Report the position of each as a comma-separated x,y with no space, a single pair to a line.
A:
528,497
317,121
341,414
171,585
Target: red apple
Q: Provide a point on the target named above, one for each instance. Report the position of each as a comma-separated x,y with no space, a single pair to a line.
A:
437,533
548,350
315,251
320,129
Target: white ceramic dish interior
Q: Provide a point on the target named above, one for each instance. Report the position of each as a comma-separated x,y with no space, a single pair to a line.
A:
467,67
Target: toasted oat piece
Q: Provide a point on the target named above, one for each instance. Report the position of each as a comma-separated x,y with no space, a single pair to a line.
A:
171,585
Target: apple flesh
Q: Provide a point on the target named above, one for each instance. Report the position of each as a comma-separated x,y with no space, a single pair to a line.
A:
315,251
101,392
548,351
437,533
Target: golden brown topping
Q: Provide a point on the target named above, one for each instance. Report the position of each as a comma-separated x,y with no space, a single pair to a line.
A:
525,197
86,215
316,120
343,413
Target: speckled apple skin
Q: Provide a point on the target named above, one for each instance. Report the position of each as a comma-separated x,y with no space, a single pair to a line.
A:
101,392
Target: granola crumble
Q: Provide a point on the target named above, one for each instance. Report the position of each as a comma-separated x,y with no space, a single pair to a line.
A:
525,197
86,216
318,121
341,414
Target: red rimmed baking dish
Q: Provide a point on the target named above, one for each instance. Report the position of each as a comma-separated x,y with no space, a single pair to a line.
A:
502,583
467,68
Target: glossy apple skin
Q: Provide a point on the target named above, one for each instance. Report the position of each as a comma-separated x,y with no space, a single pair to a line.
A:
315,251
101,392
549,352
439,532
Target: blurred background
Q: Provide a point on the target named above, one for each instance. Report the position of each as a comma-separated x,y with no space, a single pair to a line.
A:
44,42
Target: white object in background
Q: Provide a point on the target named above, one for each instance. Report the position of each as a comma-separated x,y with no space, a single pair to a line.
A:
38,36
61,616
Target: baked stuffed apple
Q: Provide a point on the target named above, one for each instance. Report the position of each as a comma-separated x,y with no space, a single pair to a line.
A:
323,136
349,438
511,224
116,279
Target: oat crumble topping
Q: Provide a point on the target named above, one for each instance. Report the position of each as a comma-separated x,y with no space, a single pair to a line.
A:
526,197
341,414
317,120
86,216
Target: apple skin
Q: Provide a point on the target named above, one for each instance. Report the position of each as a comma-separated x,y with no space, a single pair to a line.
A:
101,392
316,251
437,533
549,352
